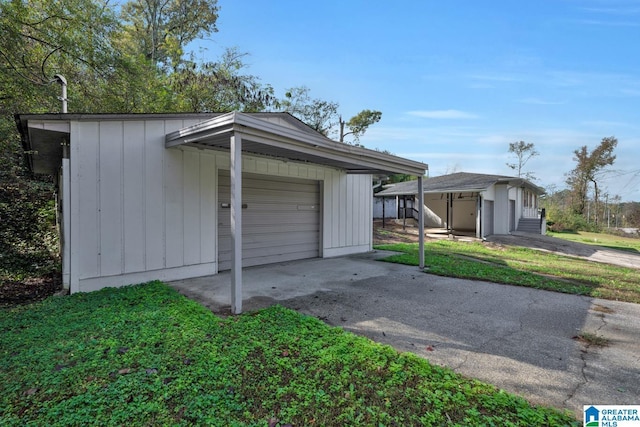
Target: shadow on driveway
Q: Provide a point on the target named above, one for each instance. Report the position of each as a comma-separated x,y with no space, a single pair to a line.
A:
520,339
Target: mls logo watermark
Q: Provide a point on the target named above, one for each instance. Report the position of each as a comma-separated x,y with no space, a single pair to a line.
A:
611,415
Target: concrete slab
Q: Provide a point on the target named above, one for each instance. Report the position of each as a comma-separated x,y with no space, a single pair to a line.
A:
520,339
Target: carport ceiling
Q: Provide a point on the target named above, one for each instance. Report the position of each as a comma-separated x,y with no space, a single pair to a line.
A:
267,138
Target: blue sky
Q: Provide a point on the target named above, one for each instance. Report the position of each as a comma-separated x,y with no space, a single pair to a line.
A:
456,81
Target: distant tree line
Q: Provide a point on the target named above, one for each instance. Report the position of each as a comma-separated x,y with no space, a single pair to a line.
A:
584,204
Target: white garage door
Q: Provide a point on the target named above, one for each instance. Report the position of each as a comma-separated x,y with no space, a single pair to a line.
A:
280,220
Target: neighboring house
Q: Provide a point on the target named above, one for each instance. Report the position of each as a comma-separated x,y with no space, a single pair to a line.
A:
175,196
471,202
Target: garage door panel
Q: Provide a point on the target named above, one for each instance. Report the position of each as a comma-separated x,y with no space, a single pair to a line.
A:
250,261
265,229
280,221
266,240
270,221
251,198
269,183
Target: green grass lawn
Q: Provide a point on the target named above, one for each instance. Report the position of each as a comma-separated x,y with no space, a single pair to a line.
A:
145,355
601,239
522,266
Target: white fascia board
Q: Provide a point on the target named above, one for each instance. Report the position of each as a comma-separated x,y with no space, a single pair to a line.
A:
297,140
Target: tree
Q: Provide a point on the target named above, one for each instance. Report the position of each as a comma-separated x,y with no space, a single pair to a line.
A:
160,29
589,169
44,38
323,115
318,114
220,86
359,124
523,151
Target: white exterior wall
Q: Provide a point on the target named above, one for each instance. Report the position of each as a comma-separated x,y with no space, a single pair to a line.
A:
515,193
141,212
501,209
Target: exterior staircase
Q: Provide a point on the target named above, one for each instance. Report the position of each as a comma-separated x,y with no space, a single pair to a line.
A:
529,225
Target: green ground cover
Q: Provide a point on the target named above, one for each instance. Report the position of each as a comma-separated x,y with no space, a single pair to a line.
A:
522,266
600,239
145,355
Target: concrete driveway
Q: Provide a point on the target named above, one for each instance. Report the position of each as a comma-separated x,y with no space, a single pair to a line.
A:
520,339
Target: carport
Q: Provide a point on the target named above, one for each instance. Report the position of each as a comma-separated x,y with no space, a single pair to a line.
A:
160,196
283,138
474,203
454,208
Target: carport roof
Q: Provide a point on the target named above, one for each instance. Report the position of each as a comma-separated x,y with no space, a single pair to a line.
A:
278,135
460,182
283,136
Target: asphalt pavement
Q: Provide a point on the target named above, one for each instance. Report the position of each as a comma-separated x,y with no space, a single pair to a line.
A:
522,340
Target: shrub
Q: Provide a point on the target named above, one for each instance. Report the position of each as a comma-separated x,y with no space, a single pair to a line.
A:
28,236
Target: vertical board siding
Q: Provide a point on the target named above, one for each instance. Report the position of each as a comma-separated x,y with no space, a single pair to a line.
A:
191,201
174,201
88,209
110,199
343,226
208,215
174,245
134,197
347,214
142,207
334,215
154,194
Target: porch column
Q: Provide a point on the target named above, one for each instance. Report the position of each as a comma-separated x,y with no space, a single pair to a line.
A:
65,190
235,152
421,221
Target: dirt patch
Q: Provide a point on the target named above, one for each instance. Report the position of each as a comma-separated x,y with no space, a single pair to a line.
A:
30,290
393,232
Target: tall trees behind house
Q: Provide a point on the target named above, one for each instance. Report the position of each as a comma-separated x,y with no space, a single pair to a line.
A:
590,168
323,115
523,151
160,29
585,204
358,124
118,57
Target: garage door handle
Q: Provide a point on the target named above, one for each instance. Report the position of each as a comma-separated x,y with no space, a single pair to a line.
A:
228,205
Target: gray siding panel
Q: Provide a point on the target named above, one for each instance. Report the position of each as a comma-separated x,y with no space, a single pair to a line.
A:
133,205
110,196
191,207
280,223
154,195
88,201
